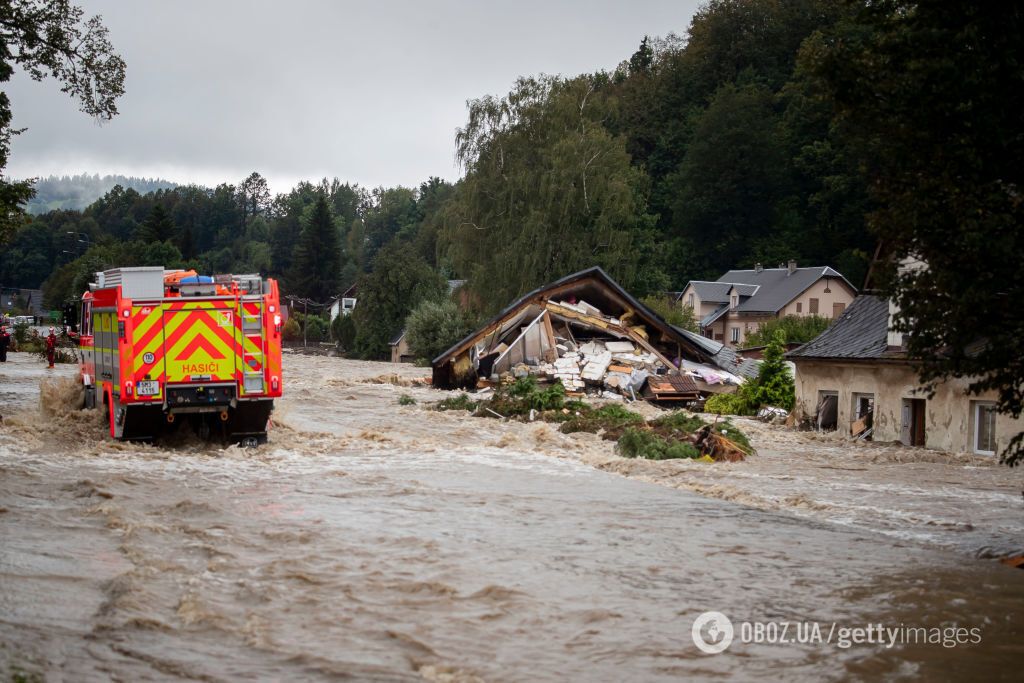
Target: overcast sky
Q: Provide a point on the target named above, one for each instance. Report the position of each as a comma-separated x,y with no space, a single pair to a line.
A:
368,92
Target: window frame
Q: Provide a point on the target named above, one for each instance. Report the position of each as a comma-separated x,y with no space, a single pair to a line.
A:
978,406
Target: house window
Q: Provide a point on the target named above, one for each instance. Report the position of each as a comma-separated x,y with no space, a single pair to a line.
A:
691,300
814,307
984,427
735,300
837,310
735,334
799,307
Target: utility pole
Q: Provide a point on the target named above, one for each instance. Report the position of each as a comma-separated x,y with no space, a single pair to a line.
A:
305,320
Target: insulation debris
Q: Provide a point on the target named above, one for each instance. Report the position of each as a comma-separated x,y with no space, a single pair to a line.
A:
589,334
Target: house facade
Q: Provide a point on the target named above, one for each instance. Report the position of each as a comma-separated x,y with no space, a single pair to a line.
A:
852,377
739,302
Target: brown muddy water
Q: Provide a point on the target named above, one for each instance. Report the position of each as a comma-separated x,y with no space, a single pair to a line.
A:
369,541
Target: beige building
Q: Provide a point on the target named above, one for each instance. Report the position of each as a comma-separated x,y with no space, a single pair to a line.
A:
740,301
853,371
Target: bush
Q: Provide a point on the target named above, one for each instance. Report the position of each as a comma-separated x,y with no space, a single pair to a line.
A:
524,395
733,433
611,419
727,404
343,331
316,329
407,400
460,402
433,327
291,330
641,443
678,422
774,384
795,329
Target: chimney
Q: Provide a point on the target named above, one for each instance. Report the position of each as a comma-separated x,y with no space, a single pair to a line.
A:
758,267
792,268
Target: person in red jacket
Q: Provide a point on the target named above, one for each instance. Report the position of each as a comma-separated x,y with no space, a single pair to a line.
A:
5,342
51,347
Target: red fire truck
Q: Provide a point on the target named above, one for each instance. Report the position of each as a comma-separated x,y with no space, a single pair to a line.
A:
158,347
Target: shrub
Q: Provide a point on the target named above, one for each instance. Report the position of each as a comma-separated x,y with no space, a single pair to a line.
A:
733,433
291,330
524,395
678,421
727,404
641,443
611,419
774,384
797,329
343,331
460,402
407,400
433,327
316,328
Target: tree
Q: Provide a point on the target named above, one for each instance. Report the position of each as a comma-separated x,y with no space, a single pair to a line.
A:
796,329
930,95
397,282
433,327
316,263
157,227
774,384
51,38
253,197
671,312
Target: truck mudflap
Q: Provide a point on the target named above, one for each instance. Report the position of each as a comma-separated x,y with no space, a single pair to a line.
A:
245,423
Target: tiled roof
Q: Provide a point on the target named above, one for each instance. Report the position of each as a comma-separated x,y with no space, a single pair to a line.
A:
860,332
776,286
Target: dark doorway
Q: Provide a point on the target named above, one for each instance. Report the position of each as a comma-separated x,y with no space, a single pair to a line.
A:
912,432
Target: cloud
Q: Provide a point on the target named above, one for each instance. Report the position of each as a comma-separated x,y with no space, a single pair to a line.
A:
368,92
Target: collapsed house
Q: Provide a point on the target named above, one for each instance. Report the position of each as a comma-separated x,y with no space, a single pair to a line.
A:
588,333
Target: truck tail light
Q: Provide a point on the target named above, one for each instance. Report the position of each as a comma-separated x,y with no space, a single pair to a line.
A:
128,387
275,383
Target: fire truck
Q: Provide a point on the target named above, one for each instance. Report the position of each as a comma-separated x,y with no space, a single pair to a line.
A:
161,347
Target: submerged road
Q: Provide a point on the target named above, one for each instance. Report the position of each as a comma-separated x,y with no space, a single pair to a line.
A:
369,541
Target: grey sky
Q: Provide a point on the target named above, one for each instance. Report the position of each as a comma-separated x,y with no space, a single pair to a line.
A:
370,92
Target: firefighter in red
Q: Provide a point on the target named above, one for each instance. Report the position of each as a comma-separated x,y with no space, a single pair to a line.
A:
51,347
5,342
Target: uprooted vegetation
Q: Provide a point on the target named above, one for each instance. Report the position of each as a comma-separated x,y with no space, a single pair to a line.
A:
672,436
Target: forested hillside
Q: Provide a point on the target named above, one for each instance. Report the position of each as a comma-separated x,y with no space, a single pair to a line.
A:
692,157
79,191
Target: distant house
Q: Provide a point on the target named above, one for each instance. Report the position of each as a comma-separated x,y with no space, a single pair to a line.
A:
344,303
740,301
856,376
400,352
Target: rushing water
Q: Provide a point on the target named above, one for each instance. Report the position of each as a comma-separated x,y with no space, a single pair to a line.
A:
369,541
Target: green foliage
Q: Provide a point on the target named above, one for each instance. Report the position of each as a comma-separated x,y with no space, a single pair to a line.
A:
728,404
733,433
678,422
548,190
434,326
640,443
399,281
795,329
21,333
316,262
611,419
316,328
291,330
524,395
51,38
671,312
343,331
460,402
929,96
407,400
774,384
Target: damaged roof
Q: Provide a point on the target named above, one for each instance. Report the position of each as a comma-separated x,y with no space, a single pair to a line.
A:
861,332
600,277
724,356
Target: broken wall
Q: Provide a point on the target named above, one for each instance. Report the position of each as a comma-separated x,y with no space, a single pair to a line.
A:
949,415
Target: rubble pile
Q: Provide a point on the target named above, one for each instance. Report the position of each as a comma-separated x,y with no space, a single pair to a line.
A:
590,353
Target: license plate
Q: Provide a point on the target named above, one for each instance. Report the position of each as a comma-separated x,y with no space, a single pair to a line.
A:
149,388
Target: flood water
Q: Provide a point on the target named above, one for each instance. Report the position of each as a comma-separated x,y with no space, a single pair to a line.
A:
369,541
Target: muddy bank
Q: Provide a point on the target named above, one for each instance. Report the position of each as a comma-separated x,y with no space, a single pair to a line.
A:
375,541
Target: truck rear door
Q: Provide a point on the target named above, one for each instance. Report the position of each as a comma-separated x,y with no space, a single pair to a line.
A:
199,341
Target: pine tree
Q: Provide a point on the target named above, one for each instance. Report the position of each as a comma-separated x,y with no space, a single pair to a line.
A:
316,263
157,227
